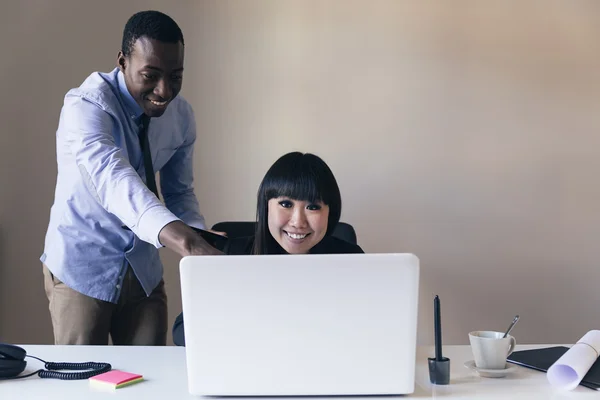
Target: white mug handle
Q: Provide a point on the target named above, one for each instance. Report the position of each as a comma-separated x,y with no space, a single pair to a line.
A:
513,343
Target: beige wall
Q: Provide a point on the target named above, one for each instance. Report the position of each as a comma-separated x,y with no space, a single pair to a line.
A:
465,132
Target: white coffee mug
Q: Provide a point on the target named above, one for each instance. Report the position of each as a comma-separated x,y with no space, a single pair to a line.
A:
490,349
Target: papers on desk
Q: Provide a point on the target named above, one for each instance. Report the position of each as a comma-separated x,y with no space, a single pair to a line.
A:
568,371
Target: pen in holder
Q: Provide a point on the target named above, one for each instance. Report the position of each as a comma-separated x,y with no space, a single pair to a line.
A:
439,366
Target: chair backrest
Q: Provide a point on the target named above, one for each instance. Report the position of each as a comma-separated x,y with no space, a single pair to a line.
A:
235,229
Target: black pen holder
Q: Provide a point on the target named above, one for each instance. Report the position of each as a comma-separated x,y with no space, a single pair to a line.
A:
439,371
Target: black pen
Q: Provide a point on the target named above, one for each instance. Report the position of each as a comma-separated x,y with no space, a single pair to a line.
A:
437,323
439,366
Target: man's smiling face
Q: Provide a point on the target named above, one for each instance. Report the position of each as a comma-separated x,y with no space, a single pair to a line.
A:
153,73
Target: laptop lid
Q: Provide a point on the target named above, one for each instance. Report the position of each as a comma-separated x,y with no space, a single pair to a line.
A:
342,324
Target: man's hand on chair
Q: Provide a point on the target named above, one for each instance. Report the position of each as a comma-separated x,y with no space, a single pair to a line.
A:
183,240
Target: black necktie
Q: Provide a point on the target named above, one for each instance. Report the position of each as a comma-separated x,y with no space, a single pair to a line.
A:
145,145
146,155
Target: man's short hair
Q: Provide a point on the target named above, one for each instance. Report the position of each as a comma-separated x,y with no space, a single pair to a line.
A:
153,25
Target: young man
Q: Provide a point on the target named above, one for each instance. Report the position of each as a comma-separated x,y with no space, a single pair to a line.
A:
102,272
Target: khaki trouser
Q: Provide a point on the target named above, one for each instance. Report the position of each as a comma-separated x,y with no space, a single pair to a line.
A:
136,319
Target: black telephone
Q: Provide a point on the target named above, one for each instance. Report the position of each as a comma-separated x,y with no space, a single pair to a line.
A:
12,363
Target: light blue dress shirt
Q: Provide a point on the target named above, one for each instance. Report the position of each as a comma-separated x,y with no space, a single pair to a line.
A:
101,187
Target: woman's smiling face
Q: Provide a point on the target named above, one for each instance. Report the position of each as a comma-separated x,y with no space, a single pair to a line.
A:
297,225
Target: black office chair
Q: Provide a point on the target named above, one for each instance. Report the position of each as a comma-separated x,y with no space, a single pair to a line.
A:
235,229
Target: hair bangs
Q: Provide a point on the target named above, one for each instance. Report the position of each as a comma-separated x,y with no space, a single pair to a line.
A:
300,185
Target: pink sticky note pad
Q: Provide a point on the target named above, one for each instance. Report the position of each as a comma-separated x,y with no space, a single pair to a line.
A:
115,377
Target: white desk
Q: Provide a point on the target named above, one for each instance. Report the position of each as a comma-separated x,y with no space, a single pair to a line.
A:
165,377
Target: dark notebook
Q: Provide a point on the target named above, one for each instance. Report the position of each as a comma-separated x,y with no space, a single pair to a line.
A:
542,359
215,240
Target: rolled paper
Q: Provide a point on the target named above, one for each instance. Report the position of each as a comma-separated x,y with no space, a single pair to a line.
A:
568,371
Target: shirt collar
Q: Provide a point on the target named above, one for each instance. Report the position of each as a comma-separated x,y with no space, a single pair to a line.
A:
131,106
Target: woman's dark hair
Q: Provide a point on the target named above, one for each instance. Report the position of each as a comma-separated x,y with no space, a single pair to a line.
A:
299,176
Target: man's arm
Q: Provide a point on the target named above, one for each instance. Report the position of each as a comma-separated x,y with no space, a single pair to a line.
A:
182,239
177,179
177,187
86,130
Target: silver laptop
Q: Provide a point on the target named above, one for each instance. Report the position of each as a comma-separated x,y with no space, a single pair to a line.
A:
283,325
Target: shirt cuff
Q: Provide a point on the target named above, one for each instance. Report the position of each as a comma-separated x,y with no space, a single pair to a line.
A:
152,222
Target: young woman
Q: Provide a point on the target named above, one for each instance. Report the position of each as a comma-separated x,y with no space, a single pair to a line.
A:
298,207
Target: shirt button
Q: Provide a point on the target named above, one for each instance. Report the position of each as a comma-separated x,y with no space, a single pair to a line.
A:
118,286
